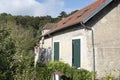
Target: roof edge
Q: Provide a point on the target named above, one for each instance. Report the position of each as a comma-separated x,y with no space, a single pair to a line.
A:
88,17
61,29
96,11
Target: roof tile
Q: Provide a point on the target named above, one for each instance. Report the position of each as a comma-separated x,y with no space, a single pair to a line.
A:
77,16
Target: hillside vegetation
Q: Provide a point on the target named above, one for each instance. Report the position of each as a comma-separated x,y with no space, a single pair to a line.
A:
18,36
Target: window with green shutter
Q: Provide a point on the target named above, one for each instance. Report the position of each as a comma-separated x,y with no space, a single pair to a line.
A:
76,53
56,51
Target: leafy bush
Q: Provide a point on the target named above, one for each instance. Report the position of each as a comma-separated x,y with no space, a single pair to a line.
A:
82,74
62,67
109,76
70,72
43,73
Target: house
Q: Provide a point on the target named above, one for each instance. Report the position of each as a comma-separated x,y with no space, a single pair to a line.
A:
89,38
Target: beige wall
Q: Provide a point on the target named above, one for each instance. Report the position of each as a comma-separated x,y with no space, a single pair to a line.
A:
107,44
65,41
66,44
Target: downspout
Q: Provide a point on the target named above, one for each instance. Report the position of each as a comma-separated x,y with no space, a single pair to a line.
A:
93,47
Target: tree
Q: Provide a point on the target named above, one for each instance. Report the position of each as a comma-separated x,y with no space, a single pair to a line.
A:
18,35
16,51
63,14
7,50
23,57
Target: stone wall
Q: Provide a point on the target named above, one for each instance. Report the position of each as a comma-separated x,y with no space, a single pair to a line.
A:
107,40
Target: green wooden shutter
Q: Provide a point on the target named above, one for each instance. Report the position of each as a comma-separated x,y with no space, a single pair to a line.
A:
56,51
76,53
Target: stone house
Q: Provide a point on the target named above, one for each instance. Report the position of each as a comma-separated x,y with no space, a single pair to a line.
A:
89,38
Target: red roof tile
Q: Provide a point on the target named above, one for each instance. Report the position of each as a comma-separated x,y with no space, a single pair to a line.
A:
77,16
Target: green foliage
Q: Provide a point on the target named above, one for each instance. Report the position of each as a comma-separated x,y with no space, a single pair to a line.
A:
70,72
109,76
23,69
7,49
63,14
43,73
62,67
16,50
82,74
18,35
34,22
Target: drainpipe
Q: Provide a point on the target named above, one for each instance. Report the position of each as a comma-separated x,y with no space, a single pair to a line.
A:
93,47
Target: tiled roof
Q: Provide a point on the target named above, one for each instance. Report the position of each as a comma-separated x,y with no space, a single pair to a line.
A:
78,16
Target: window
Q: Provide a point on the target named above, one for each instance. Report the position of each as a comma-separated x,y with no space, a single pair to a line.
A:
56,51
76,44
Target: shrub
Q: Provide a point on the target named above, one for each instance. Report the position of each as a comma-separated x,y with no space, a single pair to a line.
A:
62,67
70,72
82,74
45,71
42,72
